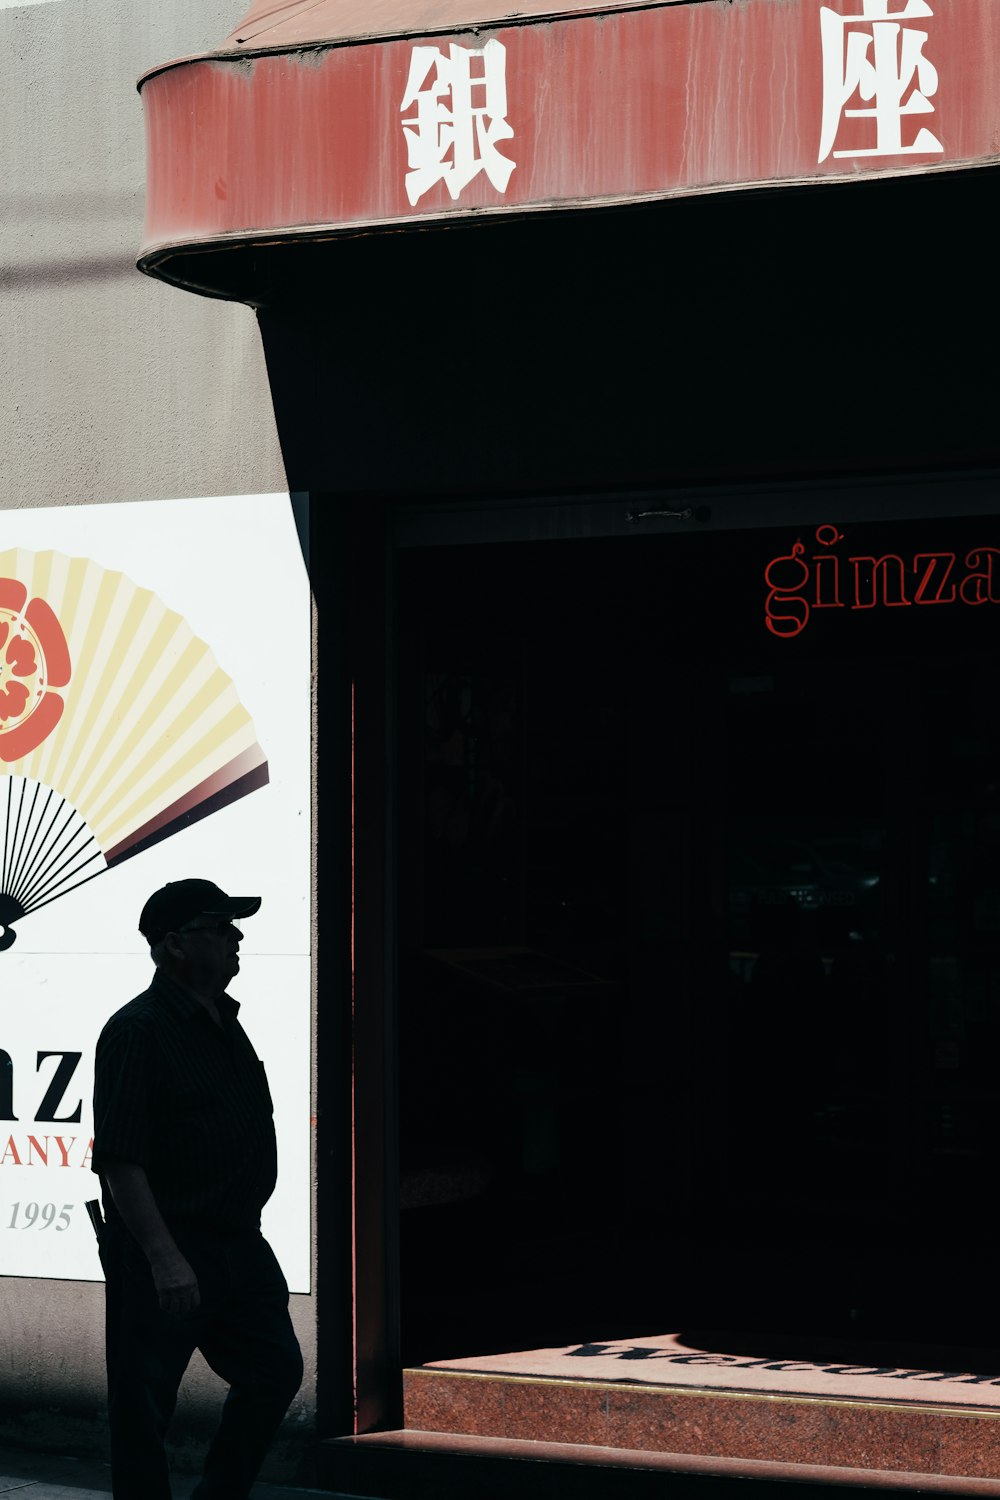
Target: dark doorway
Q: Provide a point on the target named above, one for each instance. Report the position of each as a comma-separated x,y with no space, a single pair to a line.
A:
699,965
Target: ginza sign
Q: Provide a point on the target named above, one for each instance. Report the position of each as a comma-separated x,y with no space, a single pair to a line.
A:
643,103
459,118
828,576
873,61
880,60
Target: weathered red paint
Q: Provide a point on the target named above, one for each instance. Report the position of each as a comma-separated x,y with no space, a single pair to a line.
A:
291,23
637,104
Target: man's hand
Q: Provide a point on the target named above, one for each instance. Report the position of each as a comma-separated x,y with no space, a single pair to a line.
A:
176,1284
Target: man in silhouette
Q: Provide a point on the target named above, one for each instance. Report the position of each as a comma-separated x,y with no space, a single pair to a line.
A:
185,1149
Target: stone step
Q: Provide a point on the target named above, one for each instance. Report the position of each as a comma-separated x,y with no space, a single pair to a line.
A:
663,1395
455,1466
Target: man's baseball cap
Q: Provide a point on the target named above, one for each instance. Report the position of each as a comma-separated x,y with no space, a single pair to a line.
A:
181,901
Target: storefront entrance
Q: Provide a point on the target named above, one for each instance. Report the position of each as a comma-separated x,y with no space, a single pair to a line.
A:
699,964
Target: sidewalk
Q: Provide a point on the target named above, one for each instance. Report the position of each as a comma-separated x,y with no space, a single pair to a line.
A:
38,1476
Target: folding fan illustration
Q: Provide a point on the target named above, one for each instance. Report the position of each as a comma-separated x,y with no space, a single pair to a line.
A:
117,728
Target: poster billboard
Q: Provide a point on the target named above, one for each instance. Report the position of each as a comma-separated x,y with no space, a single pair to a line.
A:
154,725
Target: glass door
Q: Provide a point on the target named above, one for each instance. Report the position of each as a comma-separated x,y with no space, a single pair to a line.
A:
700,945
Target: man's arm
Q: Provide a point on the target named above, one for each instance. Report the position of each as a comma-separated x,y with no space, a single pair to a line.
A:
175,1282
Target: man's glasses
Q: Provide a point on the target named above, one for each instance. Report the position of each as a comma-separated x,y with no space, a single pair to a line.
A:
222,926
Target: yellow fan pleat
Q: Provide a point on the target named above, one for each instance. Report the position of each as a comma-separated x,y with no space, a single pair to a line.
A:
89,715
191,769
149,715
159,745
149,648
100,632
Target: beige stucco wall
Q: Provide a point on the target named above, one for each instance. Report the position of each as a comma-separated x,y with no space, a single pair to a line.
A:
114,388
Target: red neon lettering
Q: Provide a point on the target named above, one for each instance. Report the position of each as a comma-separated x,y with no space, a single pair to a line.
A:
877,566
788,624
981,580
933,574
828,582
878,582
828,570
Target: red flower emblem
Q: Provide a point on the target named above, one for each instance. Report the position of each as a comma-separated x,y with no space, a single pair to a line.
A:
34,659
13,697
21,657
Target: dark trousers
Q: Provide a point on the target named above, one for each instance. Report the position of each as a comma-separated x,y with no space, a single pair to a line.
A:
242,1328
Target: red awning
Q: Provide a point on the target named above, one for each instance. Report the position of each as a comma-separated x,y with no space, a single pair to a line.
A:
318,119
293,23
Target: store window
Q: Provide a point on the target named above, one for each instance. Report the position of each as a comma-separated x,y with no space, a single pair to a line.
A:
700,938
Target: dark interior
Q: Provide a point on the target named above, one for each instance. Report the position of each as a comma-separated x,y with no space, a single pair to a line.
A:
841,329
699,973
698,924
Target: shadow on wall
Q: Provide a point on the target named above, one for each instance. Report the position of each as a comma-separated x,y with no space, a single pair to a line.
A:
43,275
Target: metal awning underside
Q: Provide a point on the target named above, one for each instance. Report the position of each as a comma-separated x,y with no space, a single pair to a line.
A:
319,118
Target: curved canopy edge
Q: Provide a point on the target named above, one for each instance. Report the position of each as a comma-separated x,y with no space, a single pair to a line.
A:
291,23
627,105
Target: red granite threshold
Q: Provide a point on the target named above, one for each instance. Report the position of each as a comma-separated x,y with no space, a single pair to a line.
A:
956,1442
461,1445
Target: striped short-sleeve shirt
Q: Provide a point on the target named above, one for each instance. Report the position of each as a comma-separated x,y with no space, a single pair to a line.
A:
187,1100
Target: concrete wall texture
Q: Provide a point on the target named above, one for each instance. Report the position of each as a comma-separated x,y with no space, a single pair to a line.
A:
114,388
